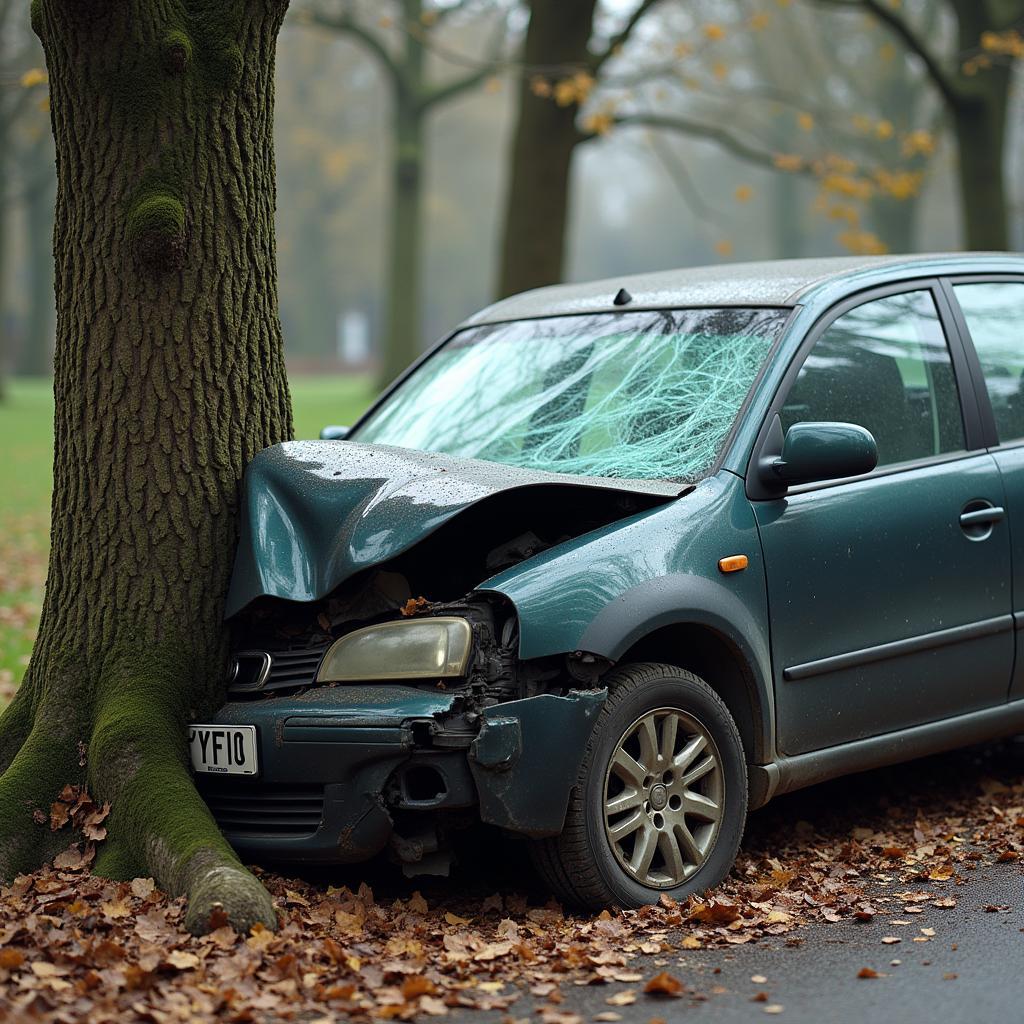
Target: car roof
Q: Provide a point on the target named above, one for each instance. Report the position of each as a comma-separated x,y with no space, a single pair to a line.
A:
767,283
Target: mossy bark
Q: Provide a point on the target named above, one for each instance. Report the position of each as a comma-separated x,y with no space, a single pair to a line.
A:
545,139
169,376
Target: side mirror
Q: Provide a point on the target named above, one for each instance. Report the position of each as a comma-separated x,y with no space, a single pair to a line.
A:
333,433
820,451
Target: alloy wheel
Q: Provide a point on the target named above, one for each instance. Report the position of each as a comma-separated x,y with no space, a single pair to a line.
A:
664,793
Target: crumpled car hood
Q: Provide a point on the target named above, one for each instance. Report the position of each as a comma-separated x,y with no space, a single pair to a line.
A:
314,513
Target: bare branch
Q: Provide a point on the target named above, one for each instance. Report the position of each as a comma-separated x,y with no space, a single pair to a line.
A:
484,69
621,37
713,133
346,24
683,180
888,15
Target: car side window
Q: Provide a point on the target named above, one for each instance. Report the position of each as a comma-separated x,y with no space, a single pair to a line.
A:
994,312
885,366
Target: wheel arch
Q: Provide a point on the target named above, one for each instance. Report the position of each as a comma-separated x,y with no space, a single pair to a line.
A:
699,625
719,662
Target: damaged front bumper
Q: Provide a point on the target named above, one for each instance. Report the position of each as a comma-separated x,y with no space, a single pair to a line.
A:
346,771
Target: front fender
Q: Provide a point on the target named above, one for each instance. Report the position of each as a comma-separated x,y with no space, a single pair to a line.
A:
604,592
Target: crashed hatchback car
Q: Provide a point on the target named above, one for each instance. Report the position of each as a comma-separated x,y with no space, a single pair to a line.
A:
616,562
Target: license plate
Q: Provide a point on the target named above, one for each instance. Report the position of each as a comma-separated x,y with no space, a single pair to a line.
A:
223,749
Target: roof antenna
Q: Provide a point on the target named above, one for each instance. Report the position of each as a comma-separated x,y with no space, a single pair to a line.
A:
622,298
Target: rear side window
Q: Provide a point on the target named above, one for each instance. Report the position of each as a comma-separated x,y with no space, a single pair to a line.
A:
994,312
885,366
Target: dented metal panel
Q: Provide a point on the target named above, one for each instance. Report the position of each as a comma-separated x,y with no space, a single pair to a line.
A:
314,513
526,759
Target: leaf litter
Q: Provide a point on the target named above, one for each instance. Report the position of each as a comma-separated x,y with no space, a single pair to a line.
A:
76,947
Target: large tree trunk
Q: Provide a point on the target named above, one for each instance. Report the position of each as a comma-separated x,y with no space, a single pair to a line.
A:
980,128
169,376
403,295
537,206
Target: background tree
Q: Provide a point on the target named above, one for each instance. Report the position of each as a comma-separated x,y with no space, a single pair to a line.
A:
19,89
775,88
973,76
169,377
37,189
401,42
558,74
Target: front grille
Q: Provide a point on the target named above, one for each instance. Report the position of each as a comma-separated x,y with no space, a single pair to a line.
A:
290,669
267,810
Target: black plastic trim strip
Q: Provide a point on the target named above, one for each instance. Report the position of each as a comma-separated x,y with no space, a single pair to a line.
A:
790,773
899,648
948,285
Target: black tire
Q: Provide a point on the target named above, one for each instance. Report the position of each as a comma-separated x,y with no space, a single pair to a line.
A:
579,864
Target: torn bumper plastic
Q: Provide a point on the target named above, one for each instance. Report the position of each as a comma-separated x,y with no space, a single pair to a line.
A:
335,765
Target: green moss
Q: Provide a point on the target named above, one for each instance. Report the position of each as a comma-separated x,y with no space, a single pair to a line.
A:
159,824
216,28
156,229
177,51
225,67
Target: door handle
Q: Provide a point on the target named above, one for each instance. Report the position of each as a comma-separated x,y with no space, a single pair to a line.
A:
981,516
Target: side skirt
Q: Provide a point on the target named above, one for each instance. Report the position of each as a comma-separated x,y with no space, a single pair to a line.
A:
789,773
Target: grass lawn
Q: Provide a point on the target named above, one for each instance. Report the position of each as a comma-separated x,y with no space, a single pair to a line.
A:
26,426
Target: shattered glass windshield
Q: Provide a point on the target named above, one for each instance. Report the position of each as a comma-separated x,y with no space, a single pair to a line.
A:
646,395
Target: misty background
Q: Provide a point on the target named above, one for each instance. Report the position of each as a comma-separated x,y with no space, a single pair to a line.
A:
811,99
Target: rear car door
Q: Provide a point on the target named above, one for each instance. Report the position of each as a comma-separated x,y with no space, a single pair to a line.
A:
889,596
991,312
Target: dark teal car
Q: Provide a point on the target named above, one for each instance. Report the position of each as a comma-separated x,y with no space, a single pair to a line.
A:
617,562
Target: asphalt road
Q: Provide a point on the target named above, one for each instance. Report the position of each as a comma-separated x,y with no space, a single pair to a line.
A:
812,973
971,971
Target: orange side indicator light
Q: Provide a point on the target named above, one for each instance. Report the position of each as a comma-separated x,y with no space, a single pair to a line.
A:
733,563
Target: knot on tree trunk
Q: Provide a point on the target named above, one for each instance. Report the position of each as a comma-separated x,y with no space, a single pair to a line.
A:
156,231
176,51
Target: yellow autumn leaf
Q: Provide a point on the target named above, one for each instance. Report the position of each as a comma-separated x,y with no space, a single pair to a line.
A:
862,243
600,123
724,247
744,193
788,162
805,121
760,20
714,32
918,142
884,129
34,76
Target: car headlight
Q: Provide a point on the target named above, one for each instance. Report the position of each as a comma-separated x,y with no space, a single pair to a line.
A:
436,648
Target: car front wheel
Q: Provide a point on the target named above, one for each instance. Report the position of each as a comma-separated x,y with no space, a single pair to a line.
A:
661,798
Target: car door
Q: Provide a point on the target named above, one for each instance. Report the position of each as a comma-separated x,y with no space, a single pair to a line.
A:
889,596
991,314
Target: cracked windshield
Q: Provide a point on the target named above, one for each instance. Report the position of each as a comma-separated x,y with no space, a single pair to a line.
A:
640,395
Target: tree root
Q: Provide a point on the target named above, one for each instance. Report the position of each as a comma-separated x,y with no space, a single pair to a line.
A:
158,825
